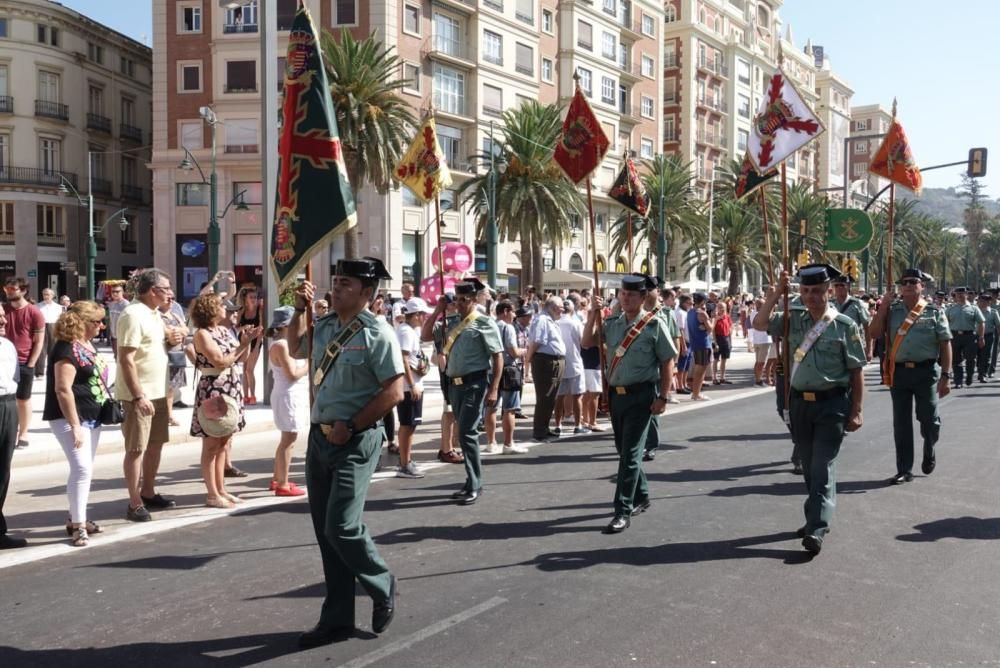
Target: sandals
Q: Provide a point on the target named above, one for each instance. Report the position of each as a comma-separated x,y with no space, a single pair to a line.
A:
173,422
92,527
218,502
450,457
80,537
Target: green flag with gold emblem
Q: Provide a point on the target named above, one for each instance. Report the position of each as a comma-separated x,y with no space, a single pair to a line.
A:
848,230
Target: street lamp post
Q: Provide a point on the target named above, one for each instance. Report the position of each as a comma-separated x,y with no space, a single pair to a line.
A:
492,233
661,239
711,226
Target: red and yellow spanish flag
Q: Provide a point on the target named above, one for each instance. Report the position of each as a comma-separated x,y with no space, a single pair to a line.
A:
582,144
423,168
894,160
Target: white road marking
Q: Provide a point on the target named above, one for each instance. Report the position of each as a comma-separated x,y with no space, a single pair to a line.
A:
423,634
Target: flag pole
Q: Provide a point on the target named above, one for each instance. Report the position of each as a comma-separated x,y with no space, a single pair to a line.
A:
786,369
437,220
767,236
597,288
630,254
892,216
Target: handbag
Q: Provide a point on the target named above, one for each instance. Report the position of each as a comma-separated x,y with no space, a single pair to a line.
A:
512,378
112,412
176,359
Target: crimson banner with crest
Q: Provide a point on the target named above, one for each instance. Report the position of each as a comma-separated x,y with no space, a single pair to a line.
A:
582,144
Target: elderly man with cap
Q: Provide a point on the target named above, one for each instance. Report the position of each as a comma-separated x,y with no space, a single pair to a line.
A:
918,336
827,387
415,367
851,306
475,364
991,321
357,377
639,368
968,329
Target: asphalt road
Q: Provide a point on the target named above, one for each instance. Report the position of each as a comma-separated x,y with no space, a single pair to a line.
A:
711,576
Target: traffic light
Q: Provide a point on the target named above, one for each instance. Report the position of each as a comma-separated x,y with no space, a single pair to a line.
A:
852,268
977,163
805,257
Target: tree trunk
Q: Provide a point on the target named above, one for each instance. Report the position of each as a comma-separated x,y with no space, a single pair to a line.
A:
526,277
537,265
734,276
351,236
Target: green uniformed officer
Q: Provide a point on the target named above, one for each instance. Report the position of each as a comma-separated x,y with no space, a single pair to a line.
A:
640,363
357,375
666,313
473,350
990,321
967,330
827,359
911,368
851,306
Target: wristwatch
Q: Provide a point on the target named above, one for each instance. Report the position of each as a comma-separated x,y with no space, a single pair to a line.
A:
661,397
945,374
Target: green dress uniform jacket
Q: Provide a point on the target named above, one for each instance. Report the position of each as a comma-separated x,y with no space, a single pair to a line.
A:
471,354
914,380
964,319
819,405
666,313
338,476
633,387
855,309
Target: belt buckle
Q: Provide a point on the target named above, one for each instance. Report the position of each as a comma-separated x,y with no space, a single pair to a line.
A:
457,381
327,429
809,396
620,389
910,365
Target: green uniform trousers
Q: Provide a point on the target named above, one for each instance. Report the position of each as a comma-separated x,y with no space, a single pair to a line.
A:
338,479
653,435
630,418
908,386
467,404
964,349
818,430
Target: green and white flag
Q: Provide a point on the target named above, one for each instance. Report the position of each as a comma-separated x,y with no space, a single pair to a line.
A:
848,230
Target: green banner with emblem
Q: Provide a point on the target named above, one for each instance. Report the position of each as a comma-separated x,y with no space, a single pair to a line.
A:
848,230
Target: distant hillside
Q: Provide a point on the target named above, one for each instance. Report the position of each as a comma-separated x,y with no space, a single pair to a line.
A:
945,203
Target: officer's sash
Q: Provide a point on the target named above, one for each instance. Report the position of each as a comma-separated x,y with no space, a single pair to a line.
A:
911,318
335,348
468,320
811,337
629,339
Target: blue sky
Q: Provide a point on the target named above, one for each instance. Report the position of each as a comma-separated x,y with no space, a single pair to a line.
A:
936,58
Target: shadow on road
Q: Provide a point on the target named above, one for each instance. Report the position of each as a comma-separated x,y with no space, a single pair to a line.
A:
186,562
673,553
966,528
781,436
708,475
238,651
797,488
490,531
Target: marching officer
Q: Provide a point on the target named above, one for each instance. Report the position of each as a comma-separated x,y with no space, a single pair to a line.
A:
918,336
991,322
851,306
828,359
357,377
665,310
640,364
967,335
473,350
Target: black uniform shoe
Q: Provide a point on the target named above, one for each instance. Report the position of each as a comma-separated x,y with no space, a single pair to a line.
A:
320,635
649,455
900,478
618,524
813,543
11,543
801,532
797,468
462,493
383,613
930,461
467,498
158,502
640,507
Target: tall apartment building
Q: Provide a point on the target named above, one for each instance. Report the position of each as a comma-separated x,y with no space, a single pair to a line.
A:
71,87
868,120
834,110
468,59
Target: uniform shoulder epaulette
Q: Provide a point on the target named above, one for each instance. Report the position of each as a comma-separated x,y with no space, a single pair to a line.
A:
844,319
613,316
367,317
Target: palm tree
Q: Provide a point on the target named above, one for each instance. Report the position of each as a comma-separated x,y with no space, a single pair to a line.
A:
668,176
375,123
535,202
737,241
806,210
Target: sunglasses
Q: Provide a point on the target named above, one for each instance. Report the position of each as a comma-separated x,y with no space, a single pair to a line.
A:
909,281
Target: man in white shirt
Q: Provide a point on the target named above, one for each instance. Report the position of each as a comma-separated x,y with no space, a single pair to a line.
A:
51,310
546,355
569,397
9,372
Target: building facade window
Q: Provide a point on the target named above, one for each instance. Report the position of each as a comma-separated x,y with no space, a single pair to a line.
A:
546,70
50,155
95,100
608,44
190,77
345,12
127,66
190,134
95,52
648,26
449,90
742,139
669,14
450,140
859,169
241,76
128,111
492,47
241,135
192,194
607,90
669,129
7,222
646,148
189,19
743,106
50,224
584,35
492,101
411,19
646,106
525,11
648,66
743,71
861,147
3,27
129,173
586,81
547,21
243,17
4,150
48,86
448,35
524,59
286,13
411,75
253,192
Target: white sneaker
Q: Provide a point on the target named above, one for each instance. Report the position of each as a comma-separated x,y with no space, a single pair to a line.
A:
513,449
702,397
409,471
491,449
673,400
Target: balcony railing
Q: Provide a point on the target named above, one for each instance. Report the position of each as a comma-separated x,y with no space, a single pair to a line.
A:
51,239
440,44
718,104
242,148
6,237
33,176
713,66
51,110
711,138
99,123
493,59
525,69
6,104
230,88
132,193
130,132
100,186
238,28
494,4
449,104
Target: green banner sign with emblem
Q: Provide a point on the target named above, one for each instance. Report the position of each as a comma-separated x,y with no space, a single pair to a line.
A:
848,230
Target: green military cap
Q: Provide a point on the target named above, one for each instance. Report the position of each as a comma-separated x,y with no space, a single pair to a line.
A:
366,267
817,274
469,286
638,282
917,274
940,293
959,290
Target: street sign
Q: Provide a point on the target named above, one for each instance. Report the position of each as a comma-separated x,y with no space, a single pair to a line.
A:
32,273
81,281
67,266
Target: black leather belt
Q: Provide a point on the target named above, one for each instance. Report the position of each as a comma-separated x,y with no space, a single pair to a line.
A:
635,388
8,397
961,331
470,377
550,356
923,364
820,395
